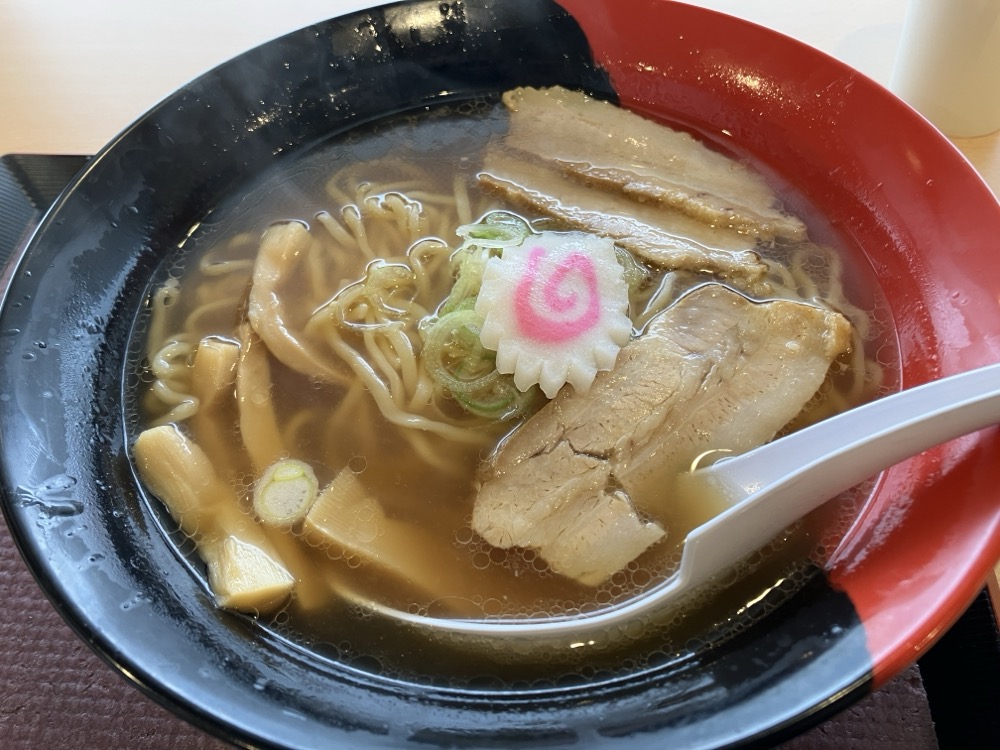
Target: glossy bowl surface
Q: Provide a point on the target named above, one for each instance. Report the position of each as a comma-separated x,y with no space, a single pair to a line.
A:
883,176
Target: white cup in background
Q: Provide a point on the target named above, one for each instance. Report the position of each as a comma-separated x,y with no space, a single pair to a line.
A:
948,64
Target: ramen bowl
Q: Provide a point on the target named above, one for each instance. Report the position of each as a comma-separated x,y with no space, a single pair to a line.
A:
923,535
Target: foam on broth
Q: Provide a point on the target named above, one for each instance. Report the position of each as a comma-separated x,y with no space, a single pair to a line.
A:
209,277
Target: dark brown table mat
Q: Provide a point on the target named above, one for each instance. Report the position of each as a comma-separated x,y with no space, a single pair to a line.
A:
56,693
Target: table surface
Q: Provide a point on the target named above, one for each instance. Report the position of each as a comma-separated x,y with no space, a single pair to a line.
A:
74,74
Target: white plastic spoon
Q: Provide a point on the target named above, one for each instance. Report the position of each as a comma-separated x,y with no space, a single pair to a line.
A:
770,487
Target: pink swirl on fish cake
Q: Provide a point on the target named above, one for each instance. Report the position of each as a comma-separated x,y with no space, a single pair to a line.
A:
538,307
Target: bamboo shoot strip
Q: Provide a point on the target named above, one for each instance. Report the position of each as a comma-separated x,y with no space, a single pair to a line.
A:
347,518
244,571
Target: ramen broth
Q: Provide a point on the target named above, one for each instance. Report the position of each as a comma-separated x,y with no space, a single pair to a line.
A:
424,479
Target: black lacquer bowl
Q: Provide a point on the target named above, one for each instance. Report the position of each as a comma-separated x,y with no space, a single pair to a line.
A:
105,554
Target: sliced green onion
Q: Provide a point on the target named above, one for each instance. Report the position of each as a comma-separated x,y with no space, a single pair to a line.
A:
498,229
455,357
512,222
635,274
469,263
453,353
457,361
487,234
493,402
502,401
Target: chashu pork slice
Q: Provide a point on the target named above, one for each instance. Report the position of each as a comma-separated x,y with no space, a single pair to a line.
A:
602,144
715,371
658,235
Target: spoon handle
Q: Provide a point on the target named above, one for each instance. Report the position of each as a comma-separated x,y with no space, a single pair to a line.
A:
772,486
